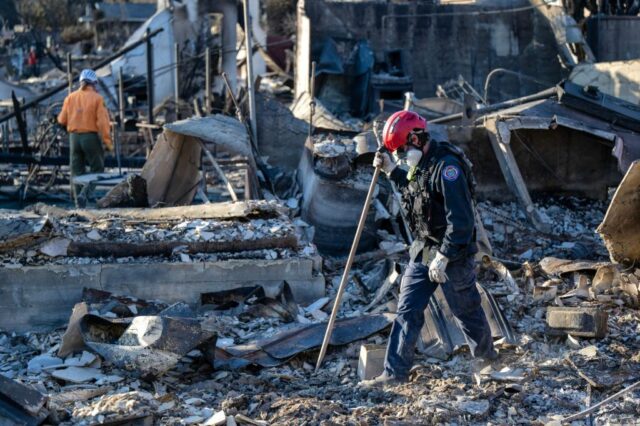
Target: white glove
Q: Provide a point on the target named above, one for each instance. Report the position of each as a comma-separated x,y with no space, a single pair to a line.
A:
384,161
437,269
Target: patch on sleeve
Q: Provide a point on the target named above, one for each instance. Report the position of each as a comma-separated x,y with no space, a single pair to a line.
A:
450,173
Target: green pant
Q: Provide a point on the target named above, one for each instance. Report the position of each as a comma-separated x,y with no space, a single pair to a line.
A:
85,151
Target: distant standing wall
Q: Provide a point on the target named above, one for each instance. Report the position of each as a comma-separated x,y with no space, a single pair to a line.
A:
614,38
444,41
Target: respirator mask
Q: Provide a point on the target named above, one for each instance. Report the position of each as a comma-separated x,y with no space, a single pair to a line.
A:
413,157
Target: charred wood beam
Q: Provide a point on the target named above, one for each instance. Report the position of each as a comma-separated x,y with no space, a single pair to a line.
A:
221,211
166,248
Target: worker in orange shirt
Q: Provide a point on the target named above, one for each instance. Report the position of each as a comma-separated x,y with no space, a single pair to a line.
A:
87,121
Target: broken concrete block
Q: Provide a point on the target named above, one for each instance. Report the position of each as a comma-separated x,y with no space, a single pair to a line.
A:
578,321
84,360
55,247
38,363
77,374
371,362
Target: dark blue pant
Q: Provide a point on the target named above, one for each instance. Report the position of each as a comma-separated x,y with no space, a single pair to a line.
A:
415,291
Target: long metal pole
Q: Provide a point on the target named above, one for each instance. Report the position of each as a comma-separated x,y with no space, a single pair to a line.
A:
220,173
116,137
347,268
65,85
312,101
253,160
207,81
545,94
176,77
121,98
595,407
250,80
69,73
149,78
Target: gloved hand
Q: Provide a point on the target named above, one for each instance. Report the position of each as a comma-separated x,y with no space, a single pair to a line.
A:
437,269
384,161
108,147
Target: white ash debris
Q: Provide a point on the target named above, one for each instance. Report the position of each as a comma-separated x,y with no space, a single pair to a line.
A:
532,383
110,407
329,146
191,231
572,220
120,230
360,177
33,259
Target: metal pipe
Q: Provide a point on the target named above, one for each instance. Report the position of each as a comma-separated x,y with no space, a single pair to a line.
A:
250,81
69,72
121,98
220,173
65,85
207,81
545,94
149,78
176,77
506,71
116,140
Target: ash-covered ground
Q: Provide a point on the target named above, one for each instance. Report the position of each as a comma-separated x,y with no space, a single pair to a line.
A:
542,379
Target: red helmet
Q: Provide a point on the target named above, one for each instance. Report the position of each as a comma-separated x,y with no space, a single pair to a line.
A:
398,127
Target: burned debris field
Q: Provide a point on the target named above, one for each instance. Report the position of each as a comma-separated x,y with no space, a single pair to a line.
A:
319,212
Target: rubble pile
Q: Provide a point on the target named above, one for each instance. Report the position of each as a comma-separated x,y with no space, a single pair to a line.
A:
537,380
571,232
78,239
181,313
544,377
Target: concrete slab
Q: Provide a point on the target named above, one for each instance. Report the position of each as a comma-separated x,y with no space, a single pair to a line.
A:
42,297
77,374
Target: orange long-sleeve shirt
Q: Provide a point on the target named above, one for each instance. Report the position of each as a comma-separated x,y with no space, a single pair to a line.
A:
83,111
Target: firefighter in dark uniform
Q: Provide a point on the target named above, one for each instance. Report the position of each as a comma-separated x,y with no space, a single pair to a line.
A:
438,198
